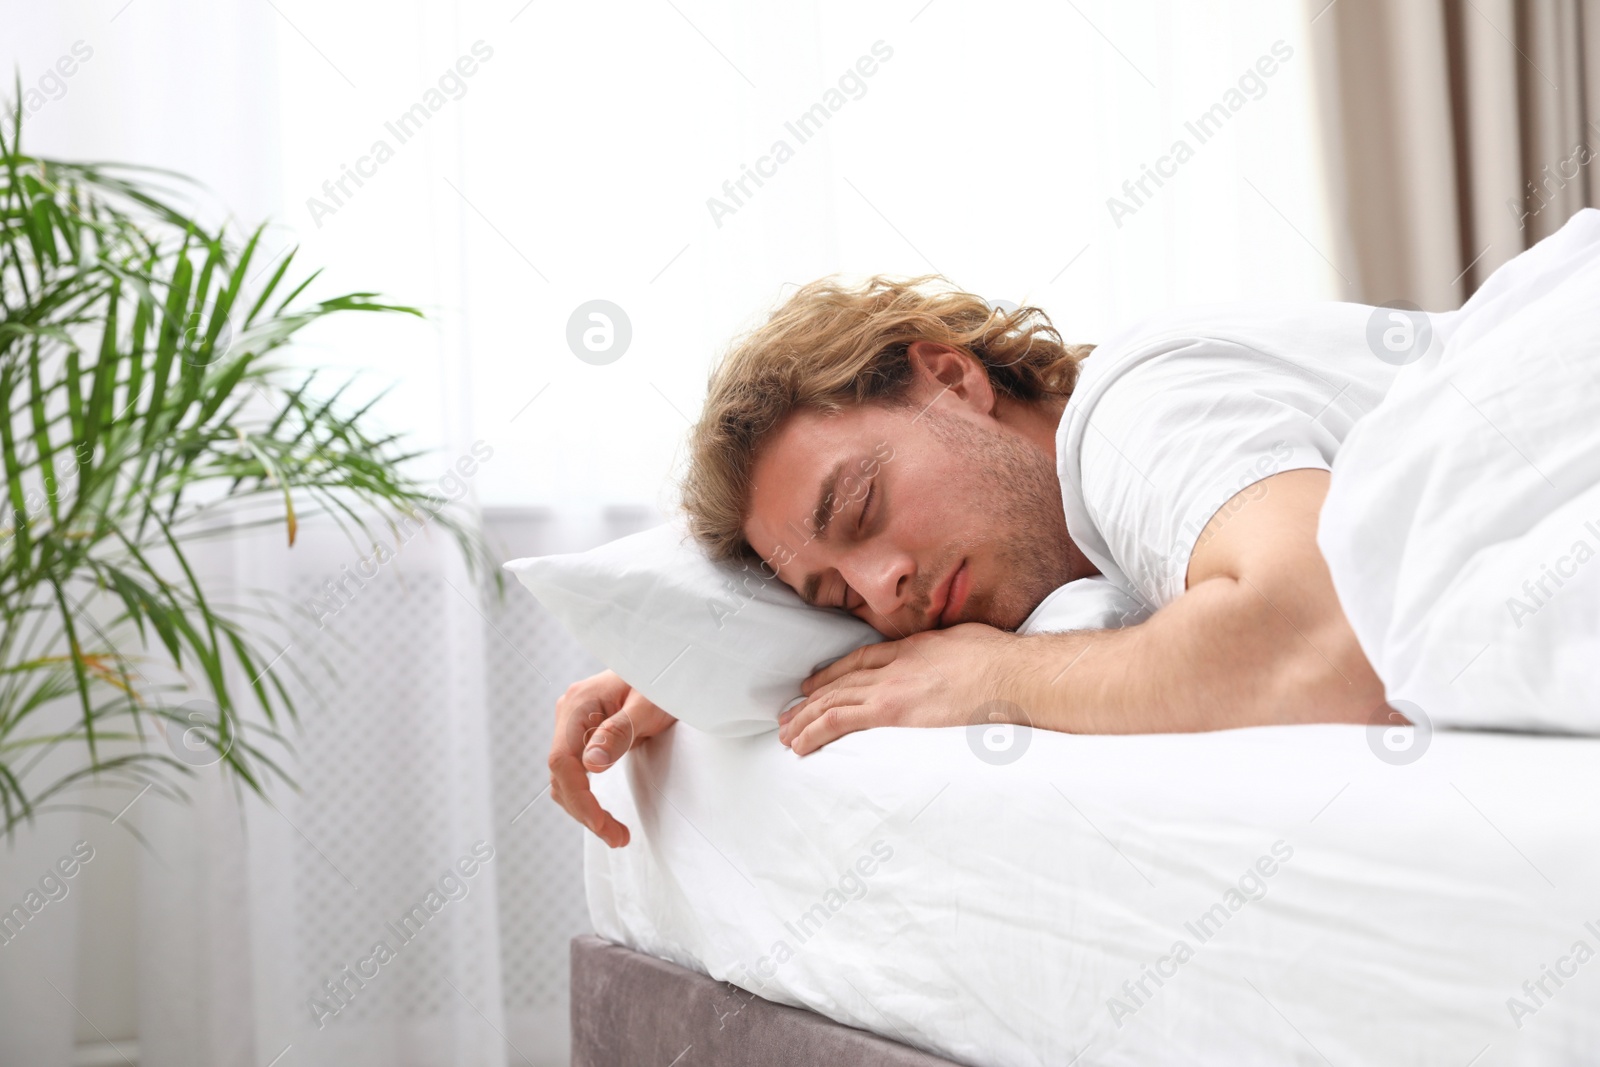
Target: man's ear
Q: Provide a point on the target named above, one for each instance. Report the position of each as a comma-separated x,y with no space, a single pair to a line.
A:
946,373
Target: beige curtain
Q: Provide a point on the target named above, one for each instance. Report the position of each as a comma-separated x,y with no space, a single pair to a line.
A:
1457,133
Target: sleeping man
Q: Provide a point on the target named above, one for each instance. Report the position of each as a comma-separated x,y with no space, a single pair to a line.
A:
905,452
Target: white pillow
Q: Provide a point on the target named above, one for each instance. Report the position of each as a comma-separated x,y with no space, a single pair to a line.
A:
1093,603
715,645
720,647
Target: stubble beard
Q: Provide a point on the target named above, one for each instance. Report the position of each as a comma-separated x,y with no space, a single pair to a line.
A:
1029,544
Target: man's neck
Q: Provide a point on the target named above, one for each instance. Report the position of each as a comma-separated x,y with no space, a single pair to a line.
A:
1036,421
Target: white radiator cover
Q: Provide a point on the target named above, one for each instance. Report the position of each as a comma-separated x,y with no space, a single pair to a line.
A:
429,733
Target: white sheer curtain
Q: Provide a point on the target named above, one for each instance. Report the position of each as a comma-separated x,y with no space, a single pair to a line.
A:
573,163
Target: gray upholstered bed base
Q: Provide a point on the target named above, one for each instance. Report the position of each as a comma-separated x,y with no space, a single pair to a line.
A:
630,1009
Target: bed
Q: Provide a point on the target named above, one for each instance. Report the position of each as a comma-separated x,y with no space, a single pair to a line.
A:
1279,895
630,1008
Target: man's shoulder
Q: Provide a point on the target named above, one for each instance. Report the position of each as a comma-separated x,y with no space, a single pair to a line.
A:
1195,365
1319,340
1294,327
1184,406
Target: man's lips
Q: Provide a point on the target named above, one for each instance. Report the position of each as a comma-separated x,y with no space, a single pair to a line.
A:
953,595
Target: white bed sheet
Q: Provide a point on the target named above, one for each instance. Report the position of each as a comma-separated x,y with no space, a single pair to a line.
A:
1017,899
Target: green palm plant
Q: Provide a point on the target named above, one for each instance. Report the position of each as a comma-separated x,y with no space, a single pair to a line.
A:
144,409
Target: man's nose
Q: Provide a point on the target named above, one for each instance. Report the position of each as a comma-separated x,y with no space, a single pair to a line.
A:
883,578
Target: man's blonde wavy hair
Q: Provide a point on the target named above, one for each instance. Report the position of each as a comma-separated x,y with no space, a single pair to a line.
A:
833,345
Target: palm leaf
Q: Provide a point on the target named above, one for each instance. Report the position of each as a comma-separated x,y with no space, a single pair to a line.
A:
145,406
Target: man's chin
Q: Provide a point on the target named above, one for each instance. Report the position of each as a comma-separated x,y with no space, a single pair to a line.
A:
998,618
893,634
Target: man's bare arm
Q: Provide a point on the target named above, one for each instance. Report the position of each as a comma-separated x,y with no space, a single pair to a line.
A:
1257,638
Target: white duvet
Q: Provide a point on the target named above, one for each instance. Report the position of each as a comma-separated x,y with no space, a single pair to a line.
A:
1462,526
1273,896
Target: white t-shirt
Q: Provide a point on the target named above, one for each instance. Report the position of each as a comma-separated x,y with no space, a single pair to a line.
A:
1177,415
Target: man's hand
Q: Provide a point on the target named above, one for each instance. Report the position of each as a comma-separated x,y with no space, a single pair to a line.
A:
597,720
932,678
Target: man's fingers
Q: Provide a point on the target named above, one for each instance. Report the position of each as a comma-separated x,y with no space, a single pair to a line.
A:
648,720
569,786
849,680
867,657
637,721
807,713
603,745
832,723
577,717
598,720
